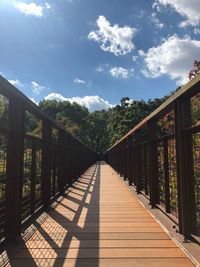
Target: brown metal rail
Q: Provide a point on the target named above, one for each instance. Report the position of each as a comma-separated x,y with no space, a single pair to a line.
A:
161,158
33,168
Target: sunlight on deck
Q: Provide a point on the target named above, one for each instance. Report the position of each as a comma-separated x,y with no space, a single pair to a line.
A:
98,223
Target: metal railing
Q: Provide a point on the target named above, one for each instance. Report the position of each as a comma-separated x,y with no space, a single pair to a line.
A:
161,158
34,167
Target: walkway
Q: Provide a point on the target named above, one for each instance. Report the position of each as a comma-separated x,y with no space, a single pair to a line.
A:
99,223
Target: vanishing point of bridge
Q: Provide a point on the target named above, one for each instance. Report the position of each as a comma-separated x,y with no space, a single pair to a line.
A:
61,206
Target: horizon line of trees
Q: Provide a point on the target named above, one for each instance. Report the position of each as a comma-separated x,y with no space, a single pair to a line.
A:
100,129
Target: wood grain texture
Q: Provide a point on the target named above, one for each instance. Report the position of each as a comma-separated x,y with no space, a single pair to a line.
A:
99,223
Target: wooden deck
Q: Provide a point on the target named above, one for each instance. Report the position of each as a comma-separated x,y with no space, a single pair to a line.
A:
99,223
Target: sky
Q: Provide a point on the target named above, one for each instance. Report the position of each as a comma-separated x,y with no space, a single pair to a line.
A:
95,52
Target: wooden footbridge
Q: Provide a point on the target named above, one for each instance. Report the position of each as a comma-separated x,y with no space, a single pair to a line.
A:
60,206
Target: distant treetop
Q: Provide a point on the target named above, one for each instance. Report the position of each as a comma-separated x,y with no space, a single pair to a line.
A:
196,70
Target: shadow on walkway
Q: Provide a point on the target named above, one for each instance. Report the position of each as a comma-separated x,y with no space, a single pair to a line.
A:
98,222
66,231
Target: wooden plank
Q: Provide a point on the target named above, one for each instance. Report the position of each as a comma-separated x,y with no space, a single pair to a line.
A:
113,253
97,235
74,230
101,244
113,229
172,262
105,219
102,224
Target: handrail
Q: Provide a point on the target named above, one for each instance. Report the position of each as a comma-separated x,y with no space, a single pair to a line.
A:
160,157
33,169
8,90
180,93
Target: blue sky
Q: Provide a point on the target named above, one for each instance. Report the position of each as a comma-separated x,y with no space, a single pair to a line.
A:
96,52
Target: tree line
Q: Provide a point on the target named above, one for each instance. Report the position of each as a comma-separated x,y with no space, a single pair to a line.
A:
100,129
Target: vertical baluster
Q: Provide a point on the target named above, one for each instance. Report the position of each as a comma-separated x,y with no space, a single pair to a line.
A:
153,168
46,162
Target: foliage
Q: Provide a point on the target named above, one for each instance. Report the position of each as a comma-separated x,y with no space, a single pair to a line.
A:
100,129
196,163
195,71
195,109
165,124
3,111
33,126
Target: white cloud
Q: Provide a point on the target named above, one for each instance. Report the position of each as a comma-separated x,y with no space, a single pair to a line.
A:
29,9
55,96
155,20
134,58
47,5
190,9
91,102
173,57
79,81
37,89
16,82
103,68
100,68
112,38
120,72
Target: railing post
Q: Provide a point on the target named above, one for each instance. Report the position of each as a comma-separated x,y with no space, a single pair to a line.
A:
126,163
184,158
33,173
146,167
62,160
122,160
166,172
153,172
67,159
46,162
137,168
15,152
130,176
137,163
119,159
134,162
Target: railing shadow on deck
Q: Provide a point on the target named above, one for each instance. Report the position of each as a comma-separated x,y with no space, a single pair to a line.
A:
34,167
62,231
